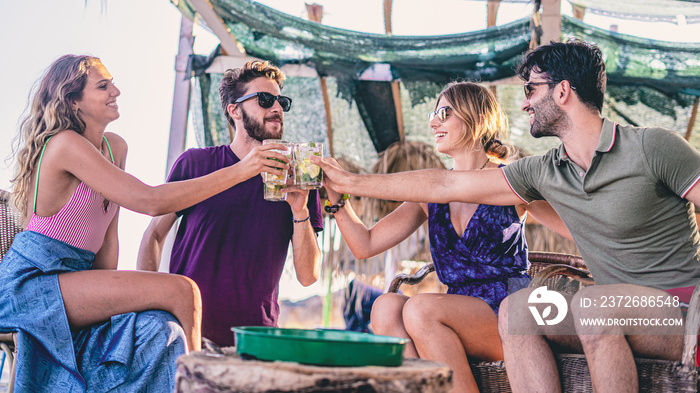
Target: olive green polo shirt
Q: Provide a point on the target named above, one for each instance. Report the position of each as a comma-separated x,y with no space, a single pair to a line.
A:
627,213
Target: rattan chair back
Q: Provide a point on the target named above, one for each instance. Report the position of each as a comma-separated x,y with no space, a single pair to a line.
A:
9,222
9,227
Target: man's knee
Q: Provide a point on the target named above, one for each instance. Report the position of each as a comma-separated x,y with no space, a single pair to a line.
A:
511,310
503,318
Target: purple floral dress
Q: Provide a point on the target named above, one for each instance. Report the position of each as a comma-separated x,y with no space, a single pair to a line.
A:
489,261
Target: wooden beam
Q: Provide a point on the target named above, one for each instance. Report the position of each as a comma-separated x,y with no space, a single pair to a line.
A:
492,12
551,21
181,95
387,16
327,106
315,12
395,87
491,17
229,44
396,93
693,117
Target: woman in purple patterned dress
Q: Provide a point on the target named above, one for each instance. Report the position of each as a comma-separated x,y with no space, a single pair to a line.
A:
479,251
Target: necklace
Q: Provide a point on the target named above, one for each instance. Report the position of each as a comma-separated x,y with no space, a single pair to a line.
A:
484,166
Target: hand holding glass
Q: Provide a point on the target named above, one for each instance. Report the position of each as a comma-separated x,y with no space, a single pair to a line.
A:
274,183
307,176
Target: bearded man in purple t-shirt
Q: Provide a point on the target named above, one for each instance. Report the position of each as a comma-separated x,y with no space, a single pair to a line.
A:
234,245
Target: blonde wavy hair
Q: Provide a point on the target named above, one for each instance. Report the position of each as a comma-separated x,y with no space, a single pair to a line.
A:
49,111
485,123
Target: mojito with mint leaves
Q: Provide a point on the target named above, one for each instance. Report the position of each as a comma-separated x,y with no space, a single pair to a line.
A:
307,176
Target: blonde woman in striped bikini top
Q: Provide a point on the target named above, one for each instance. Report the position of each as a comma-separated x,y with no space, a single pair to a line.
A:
71,183
83,221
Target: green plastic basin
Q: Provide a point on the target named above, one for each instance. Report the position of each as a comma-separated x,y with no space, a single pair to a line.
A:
318,346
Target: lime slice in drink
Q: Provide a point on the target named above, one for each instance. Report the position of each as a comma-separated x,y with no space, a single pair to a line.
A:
313,170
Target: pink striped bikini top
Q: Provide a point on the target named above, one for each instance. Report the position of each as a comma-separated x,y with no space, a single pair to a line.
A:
82,222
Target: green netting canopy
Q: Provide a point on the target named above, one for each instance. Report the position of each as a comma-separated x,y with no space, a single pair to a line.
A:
662,75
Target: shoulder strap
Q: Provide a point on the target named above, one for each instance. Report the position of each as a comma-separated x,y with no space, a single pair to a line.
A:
38,168
109,148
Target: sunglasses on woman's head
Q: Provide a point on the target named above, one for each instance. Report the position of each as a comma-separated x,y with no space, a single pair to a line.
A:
267,100
440,113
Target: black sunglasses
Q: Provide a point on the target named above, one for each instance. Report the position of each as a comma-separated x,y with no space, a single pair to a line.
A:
267,100
529,87
440,113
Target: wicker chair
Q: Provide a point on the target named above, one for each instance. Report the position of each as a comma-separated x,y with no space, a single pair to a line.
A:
8,230
657,376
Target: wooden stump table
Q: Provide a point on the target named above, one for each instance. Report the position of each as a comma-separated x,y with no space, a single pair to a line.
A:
200,372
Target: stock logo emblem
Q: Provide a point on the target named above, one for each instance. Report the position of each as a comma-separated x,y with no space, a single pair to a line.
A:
542,295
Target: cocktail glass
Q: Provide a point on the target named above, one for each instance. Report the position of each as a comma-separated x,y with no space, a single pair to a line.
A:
307,176
273,192
270,178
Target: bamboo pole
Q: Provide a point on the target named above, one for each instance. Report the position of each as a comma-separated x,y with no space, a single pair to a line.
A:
315,12
396,93
491,17
387,16
327,107
551,21
395,87
492,12
181,95
229,44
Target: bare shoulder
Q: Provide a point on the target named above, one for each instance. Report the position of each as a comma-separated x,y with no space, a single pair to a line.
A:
116,142
68,141
119,147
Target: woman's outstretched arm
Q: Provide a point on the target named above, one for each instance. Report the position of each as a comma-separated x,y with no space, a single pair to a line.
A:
389,231
75,155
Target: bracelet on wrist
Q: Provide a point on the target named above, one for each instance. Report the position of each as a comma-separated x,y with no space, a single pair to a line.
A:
299,221
332,209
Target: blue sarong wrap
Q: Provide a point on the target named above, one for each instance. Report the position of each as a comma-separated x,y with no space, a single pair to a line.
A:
133,352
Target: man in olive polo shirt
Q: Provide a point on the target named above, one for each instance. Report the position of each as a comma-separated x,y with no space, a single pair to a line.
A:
623,192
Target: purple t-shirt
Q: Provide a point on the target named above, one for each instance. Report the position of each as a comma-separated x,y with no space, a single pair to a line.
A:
233,245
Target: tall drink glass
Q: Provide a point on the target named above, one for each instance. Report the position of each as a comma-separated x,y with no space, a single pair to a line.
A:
273,184
307,176
273,192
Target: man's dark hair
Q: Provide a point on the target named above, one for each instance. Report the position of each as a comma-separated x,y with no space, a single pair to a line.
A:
575,61
234,83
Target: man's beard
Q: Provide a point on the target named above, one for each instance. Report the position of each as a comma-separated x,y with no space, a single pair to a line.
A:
549,119
257,130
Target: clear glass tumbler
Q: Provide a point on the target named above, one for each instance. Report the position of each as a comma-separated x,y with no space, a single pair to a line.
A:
273,192
307,176
269,178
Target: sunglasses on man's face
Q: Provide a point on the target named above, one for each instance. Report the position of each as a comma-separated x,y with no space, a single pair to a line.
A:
267,100
440,113
529,87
